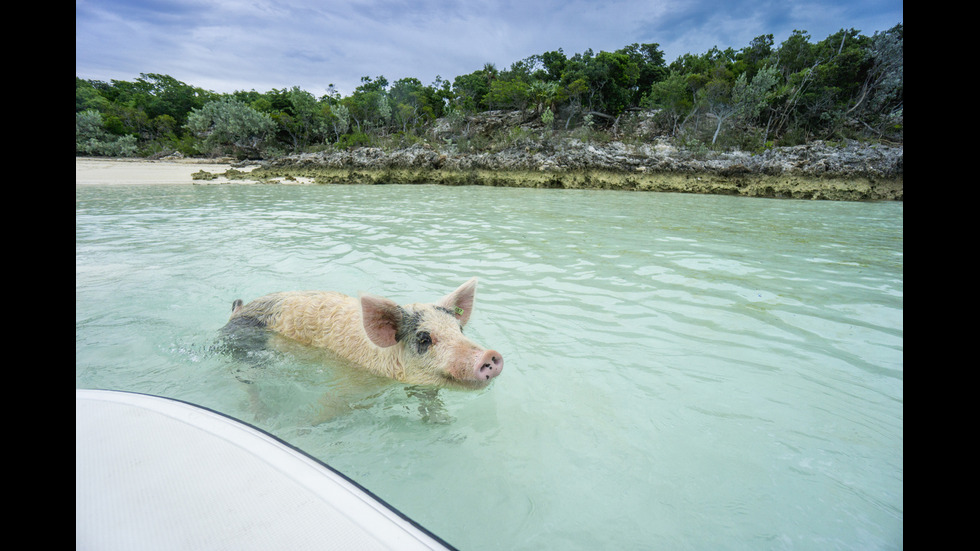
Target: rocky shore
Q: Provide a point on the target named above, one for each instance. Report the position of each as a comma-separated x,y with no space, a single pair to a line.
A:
851,172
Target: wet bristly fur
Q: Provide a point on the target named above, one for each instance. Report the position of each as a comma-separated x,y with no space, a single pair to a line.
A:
413,343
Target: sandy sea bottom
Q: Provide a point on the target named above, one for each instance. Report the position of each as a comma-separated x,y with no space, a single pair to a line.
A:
682,371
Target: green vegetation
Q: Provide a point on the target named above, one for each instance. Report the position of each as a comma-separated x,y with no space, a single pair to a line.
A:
847,86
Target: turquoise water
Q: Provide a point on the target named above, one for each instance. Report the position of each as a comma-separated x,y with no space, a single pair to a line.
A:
682,371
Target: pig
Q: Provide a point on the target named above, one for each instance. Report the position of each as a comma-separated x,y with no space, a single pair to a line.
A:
418,344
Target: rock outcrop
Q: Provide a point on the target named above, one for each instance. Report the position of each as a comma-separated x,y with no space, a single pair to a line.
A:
853,171
813,160
505,148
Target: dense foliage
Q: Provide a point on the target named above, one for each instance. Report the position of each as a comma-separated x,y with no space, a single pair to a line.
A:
847,86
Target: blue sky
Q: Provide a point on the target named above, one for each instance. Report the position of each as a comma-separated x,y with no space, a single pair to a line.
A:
228,45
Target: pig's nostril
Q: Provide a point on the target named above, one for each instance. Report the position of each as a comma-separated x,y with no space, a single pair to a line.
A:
493,363
488,366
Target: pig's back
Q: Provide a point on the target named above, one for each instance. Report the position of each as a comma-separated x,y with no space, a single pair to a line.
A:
317,318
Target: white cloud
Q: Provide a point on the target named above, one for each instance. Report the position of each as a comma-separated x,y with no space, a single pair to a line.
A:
228,45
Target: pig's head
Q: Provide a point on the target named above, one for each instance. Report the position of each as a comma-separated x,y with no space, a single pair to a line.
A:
427,339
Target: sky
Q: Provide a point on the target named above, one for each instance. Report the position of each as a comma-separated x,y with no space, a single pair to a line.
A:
230,45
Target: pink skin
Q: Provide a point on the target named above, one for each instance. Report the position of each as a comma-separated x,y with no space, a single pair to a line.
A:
489,365
414,343
450,357
476,366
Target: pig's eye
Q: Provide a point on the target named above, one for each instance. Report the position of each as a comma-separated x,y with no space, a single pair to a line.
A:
423,341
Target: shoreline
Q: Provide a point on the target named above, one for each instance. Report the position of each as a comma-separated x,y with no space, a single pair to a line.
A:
116,171
125,171
782,186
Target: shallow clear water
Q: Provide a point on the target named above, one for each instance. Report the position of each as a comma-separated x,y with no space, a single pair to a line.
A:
682,371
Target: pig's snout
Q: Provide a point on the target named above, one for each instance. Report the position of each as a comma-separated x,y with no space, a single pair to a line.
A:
489,365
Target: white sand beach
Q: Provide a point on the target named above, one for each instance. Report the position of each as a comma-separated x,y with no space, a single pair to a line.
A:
89,170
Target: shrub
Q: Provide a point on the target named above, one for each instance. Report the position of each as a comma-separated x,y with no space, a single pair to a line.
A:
91,137
230,125
354,139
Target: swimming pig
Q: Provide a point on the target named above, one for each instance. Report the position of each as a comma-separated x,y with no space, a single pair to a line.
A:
413,343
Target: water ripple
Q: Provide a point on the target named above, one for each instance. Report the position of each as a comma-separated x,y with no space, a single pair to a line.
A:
731,368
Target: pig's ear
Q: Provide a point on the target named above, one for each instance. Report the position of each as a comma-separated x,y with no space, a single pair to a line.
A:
460,301
381,318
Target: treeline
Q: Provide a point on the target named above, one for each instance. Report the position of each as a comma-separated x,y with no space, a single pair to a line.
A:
847,86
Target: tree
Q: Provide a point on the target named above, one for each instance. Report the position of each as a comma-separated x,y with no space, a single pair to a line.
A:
672,97
88,97
228,124
300,118
651,68
543,95
91,137
847,85
366,106
470,91
880,102
716,99
409,99
795,54
508,94
611,78
840,63
166,95
752,57
340,119
554,64
575,90
750,98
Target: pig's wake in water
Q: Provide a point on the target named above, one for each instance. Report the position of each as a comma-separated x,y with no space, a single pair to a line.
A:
418,344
